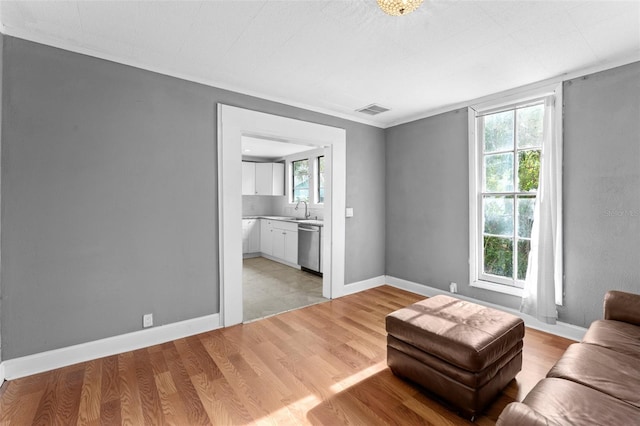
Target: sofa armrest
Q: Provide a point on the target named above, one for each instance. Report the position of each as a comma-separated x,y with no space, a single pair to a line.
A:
521,414
621,306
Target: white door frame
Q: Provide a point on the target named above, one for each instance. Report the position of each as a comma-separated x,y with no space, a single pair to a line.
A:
235,122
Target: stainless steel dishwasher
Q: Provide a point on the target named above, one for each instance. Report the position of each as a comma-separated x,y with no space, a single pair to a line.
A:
309,248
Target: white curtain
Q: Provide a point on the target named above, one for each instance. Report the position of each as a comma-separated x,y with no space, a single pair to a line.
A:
543,283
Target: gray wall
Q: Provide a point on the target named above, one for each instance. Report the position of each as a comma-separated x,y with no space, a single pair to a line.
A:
427,196
108,190
109,197
428,204
365,231
602,190
1,68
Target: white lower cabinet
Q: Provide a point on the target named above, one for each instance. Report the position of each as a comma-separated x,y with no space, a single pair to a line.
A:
266,236
250,236
279,239
291,247
285,241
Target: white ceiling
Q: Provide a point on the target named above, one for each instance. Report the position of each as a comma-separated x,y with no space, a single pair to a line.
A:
337,56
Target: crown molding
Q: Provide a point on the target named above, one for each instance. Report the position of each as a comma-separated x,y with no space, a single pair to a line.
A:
63,45
520,89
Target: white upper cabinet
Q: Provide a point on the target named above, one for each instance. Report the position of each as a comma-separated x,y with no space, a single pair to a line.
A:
248,178
266,178
278,179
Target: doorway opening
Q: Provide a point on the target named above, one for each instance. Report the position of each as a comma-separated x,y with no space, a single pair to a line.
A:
233,124
283,191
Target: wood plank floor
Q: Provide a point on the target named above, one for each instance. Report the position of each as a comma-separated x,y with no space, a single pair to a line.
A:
324,364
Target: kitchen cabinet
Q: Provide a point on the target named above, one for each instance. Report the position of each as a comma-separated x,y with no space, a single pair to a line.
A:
285,241
262,178
266,236
250,236
248,178
279,240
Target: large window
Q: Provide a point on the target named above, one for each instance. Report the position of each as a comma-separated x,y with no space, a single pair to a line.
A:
300,181
508,143
320,180
515,196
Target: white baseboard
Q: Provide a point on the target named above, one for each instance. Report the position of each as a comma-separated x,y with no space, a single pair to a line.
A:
45,361
562,329
363,285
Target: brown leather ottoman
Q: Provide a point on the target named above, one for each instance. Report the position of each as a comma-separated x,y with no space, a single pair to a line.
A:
462,352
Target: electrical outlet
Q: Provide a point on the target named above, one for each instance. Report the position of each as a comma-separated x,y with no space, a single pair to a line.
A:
147,320
453,288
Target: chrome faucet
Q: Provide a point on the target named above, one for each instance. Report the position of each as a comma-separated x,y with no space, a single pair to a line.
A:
307,213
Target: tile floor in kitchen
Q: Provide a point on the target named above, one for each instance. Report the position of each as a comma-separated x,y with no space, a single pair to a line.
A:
270,287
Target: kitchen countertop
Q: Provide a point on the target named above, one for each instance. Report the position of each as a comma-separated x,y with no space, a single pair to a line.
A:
316,222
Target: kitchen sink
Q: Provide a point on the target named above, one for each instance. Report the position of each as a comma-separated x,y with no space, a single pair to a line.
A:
279,217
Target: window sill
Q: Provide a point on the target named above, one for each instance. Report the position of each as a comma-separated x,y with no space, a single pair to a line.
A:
498,288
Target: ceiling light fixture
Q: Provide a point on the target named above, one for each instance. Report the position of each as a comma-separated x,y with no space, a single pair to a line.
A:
398,7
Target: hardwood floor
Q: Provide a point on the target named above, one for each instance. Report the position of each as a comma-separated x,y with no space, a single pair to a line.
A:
324,364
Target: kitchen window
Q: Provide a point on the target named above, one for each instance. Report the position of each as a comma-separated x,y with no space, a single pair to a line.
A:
505,160
300,181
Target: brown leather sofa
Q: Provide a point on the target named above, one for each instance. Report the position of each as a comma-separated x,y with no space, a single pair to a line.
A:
596,381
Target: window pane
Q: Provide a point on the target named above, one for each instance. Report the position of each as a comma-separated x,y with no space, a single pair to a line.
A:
498,215
525,215
498,172
498,132
524,246
528,170
301,195
321,179
529,129
498,256
300,190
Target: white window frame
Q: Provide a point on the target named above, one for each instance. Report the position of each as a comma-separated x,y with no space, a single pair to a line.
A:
312,157
316,189
505,102
290,179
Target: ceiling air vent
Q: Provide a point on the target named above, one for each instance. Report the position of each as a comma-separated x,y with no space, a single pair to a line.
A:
372,109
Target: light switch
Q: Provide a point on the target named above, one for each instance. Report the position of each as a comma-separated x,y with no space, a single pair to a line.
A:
349,212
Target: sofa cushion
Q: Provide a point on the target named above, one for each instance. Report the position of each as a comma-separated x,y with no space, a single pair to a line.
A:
622,306
464,334
564,402
611,372
517,413
619,336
